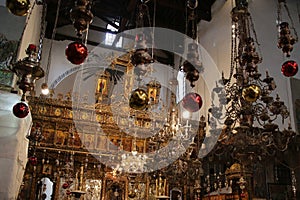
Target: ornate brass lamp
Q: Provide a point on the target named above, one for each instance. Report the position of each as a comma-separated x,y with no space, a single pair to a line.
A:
28,70
81,16
249,129
285,38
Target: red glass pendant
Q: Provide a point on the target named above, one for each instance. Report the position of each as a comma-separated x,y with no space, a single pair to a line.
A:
31,48
76,52
65,185
33,160
21,110
289,68
192,102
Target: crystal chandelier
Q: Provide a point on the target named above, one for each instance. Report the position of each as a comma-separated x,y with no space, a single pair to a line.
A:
250,128
133,162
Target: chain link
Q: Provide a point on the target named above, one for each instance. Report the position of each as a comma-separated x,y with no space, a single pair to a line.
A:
14,59
51,42
42,32
291,20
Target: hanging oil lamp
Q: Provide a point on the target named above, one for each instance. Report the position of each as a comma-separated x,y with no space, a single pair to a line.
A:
192,67
285,38
28,70
141,57
81,16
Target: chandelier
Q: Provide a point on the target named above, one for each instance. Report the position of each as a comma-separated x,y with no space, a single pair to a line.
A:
133,162
250,130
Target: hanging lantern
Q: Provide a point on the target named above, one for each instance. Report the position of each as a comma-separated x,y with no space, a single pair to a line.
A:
33,160
289,68
138,99
192,67
76,52
192,102
28,70
18,7
153,89
141,57
251,93
21,110
286,40
81,16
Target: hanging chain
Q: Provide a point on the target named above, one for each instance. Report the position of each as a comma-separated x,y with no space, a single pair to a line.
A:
279,15
153,30
51,42
85,39
255,37
233,50
298,12
22,34
291,20
42,32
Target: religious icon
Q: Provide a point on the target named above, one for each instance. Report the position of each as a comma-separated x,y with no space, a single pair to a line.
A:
102,85
47,169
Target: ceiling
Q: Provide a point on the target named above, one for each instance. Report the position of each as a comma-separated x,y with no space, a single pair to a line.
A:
171,14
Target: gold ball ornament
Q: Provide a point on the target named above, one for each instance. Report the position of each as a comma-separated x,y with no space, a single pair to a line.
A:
138,99
251,93
18,7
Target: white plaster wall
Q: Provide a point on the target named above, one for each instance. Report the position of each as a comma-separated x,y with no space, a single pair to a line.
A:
12,32
13,147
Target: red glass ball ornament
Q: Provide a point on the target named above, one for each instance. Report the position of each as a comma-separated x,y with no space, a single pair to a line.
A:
289,68
68,192
192,102
65,185
33,160
21,110
76,52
